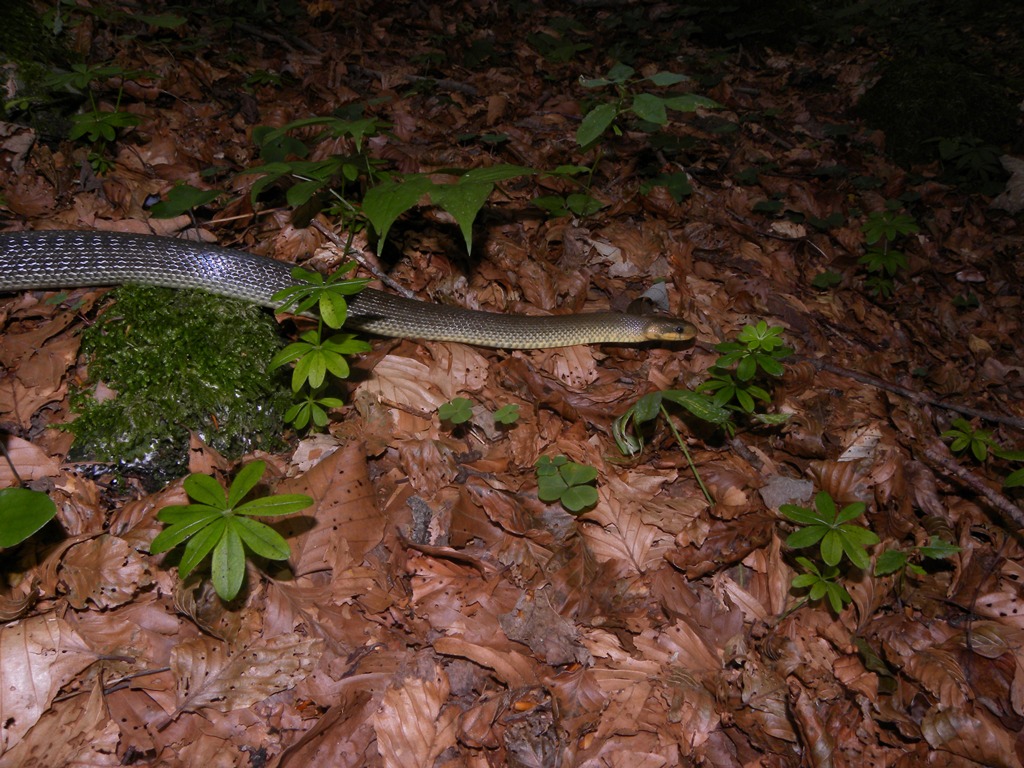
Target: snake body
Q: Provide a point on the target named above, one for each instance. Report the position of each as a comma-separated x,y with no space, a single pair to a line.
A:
69,259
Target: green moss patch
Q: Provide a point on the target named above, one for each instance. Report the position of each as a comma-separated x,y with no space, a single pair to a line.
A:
179,361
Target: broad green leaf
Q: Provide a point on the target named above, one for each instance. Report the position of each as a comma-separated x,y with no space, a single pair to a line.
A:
22,513
620,73
857,554
261,539
463,201
387,201
578,474
667,78
579,497
493,173
690,102
824,504
176,534
246,479
199,546
850,512
595,123
831,548
806,537
205,490
799,514
938,549
272,506
333,308
890,561
227,568
300,193
649,107
186,514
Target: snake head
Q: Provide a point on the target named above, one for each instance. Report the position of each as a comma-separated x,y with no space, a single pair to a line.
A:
669,329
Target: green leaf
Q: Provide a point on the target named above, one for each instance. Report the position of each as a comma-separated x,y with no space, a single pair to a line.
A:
938,549
228,565
578,474
199,546
690,102
333,308
507,414
261,539
595,123
179,532
246,479
182,198
800,515
272,506
806,537
890,561
579,497
387,201
850,512
831,548
667,78
1014,479
463,201
458,410
205,490
22,513
649,107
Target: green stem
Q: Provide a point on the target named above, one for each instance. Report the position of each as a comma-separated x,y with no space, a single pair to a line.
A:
686,453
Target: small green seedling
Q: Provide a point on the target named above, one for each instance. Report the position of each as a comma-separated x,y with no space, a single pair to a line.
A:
222,524
822,583
459,410
832,528
966,438
559,479
22,513
507,414
893,560
315,356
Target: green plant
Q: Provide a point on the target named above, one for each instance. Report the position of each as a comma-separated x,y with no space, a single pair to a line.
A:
456,411
966,438
881,261
183,198
22,513
732,380
559,479
628,99
835,534
315,355
221,523
893,560
821,583
99,126
973,160
508,414
980,444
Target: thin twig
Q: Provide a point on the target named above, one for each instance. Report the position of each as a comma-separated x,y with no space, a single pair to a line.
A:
358,256
937,455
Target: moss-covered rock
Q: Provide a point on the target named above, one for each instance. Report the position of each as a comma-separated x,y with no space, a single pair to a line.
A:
179,361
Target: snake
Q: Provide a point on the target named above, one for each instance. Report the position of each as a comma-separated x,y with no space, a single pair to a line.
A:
58,259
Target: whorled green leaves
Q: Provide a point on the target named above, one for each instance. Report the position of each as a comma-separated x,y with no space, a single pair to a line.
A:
219,522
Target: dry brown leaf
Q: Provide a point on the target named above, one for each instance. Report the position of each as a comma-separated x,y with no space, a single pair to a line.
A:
104,571
74,732
974,735
621,535
410,725
344,523
208,674
31,462
38,656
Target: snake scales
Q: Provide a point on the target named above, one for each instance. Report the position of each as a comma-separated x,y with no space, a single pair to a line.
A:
68,259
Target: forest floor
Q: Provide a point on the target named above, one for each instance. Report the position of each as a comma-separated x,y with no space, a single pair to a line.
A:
434,611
